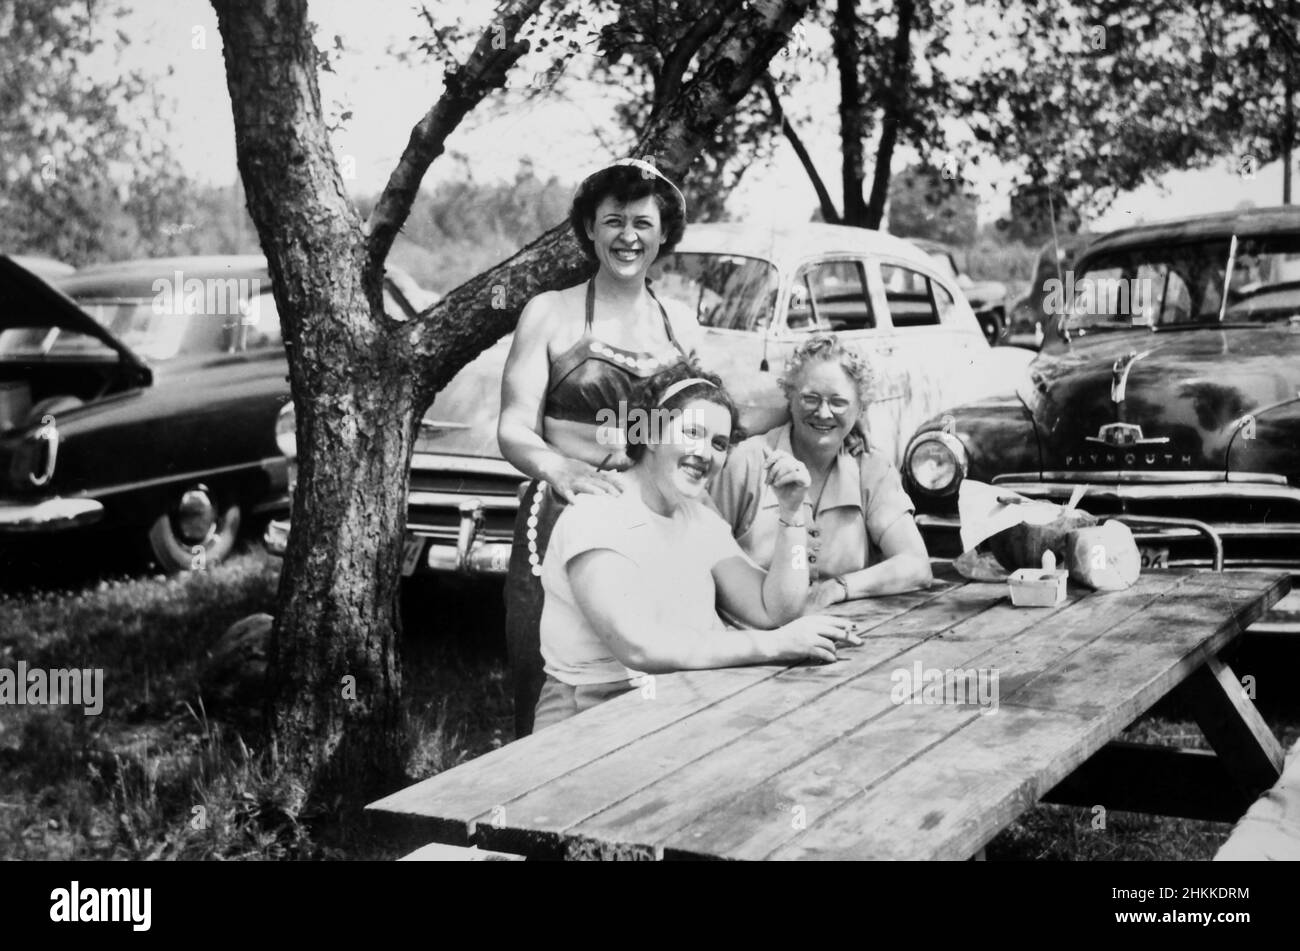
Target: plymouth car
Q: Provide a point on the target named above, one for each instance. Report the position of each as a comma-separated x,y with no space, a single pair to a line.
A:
757,293
1167,392
137,406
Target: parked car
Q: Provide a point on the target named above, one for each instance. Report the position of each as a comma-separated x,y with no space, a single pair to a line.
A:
757,293
1029,319
988,299
42,266
139,398
1168,388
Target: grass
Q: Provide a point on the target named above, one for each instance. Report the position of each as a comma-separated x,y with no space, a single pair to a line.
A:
159,776
162,774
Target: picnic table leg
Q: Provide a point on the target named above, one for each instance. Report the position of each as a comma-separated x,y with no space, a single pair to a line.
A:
1242,740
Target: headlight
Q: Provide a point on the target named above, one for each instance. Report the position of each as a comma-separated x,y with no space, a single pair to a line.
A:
936,462
286,432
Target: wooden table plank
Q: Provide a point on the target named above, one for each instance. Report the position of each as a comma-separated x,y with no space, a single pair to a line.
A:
949,803
450,802
536,820
726,831
1125,669
447,806
819,761
681,798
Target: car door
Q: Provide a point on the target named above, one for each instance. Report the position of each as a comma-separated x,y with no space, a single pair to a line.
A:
833,293
734,298
935,344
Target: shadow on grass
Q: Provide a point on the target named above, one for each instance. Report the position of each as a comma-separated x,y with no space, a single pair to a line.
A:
156,775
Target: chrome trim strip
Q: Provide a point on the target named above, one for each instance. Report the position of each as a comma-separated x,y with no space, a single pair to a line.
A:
54,514
453,500
258,464
1113,476
481,465
1200,490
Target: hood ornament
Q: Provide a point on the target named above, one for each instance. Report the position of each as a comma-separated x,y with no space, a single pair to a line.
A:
1119,374
1125,434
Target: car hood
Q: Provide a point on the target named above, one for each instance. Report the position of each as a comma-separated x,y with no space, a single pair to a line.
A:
463,418
28,301
985,292
1157,402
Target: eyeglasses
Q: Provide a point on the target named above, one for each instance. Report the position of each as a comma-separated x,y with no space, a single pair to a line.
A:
812,403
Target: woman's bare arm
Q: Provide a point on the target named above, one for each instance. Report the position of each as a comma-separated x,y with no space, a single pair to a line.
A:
611,591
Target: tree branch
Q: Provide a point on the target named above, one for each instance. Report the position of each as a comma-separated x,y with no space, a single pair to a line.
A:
829,212
484,71
676,62
478,313
896,99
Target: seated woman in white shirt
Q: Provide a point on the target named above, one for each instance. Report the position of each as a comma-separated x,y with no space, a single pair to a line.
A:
633,582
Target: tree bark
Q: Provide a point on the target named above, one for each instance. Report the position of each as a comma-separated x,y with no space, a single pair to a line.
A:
853,126
361,379
333,679
896,101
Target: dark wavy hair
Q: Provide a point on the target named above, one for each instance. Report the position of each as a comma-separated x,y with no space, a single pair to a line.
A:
647,398
625,183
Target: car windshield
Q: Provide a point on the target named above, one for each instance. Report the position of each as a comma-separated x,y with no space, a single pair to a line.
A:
154,329
722,290
1169,286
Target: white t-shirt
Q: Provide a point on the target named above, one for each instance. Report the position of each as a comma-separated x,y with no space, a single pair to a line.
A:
675,555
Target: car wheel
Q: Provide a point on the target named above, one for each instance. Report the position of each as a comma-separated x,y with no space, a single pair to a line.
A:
197,531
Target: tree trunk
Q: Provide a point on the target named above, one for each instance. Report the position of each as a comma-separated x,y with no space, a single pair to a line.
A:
360,379
896,101
853,126
333,683
824,200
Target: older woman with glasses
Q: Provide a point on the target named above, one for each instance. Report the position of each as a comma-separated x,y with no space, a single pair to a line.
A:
862,538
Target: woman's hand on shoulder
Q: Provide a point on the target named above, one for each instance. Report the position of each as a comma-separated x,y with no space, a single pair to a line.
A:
573,477
813,637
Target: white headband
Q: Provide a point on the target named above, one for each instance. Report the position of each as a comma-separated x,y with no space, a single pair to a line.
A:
646,168
681,385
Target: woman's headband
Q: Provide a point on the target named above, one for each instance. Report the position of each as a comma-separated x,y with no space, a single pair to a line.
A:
647,170
681,385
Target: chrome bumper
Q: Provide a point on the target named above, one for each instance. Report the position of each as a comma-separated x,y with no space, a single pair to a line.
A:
470,555
49,515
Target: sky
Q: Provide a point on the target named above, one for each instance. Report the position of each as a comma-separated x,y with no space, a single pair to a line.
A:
177,42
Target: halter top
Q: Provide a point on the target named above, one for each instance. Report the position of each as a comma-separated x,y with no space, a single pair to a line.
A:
592,375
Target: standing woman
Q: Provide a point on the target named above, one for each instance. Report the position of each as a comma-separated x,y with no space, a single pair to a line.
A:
862,538
578,354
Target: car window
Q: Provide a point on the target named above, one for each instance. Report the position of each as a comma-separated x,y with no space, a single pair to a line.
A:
830,295
944,301
262,324
726,291
908,295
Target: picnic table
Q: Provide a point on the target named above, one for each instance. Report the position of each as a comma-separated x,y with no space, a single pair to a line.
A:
855,760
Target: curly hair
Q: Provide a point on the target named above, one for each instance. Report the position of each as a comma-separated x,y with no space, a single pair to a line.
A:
626,183
827,346
649,397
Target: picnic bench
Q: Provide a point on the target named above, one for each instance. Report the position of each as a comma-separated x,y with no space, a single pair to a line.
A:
867,758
